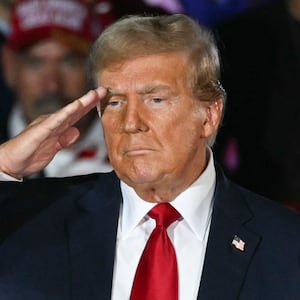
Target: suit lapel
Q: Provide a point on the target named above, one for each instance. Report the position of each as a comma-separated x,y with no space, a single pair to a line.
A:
92,237
225,266
92,233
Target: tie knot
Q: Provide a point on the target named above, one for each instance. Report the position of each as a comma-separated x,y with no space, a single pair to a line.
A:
164,214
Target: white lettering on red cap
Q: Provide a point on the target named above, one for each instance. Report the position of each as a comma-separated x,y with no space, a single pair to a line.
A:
37,13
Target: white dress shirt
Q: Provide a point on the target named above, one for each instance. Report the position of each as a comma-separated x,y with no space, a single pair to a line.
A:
5,177
189,235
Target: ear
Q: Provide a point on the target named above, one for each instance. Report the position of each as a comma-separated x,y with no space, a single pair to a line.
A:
212,119
10,65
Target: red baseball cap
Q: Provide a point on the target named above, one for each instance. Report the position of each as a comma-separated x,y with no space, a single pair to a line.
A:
72,22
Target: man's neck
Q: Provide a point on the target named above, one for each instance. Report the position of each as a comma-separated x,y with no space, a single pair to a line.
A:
169,187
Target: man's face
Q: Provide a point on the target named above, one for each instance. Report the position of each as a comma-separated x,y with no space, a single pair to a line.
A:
154,129
47,76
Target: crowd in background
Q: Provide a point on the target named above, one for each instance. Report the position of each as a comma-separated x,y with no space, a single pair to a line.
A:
259,144
259,43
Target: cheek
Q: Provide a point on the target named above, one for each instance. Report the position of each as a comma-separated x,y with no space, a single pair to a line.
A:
27,91
185,135
111,124
75,77
183,140
74,85
28,87
184,126
110,133
28,82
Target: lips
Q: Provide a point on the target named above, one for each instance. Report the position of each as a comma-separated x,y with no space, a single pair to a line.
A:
137,151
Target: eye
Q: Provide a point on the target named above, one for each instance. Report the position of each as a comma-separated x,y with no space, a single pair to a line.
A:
32,63
114,103
73,61
157,100
109,104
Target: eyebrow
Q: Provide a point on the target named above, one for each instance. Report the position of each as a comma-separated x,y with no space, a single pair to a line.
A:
144,90
109,93
154,89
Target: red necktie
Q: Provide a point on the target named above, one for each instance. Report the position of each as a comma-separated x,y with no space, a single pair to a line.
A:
156,277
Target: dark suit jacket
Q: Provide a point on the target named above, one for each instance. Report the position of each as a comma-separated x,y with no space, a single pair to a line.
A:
58,242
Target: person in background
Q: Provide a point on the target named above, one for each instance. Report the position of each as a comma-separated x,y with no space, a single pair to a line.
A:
5,8
6,97
154,7
259,144
209,12
166,223
45,65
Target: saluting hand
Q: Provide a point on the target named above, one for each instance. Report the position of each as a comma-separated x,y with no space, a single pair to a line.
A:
37,144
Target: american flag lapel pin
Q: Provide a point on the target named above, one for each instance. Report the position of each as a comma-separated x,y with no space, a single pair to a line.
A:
238,243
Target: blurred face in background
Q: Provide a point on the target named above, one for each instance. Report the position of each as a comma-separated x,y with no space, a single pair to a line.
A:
45,76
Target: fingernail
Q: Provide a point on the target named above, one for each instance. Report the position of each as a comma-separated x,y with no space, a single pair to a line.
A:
101,91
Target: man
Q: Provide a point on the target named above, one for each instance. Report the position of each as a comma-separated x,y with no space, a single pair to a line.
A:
45,65
5,103
160,103
211,12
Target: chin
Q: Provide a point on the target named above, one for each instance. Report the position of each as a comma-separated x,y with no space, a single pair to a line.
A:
139,171
140,176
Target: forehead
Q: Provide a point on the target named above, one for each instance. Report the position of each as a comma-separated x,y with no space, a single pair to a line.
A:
47,47
151,70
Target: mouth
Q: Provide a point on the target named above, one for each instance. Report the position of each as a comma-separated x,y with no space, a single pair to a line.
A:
135,151
48,104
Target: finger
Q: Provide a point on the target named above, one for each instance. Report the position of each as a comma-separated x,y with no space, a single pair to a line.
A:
38,120
100,91
69,137
71,113
57,123
55,131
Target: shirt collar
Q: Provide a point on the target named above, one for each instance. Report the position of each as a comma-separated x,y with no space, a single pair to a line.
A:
194,204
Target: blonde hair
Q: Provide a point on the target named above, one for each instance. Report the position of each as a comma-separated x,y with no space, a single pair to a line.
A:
135,36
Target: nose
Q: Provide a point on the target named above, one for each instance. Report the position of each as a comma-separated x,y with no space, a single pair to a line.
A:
52,79
134,117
